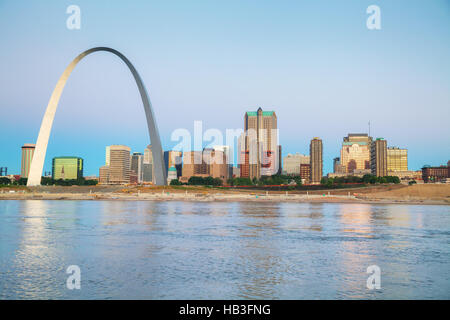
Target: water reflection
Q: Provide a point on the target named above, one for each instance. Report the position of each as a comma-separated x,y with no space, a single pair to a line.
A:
356,219
258,255
207,250
36,257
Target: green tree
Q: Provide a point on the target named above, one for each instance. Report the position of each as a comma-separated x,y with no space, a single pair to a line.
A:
195,181
5,181
217,182
175,182
367,178
208,181
242,181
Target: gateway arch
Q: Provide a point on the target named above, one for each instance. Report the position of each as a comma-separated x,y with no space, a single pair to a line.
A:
37,163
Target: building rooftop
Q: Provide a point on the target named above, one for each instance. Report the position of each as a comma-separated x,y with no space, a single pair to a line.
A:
396,148
67,157
358,135
361,143
264,113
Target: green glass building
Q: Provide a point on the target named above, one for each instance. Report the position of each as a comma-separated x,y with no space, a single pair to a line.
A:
67,168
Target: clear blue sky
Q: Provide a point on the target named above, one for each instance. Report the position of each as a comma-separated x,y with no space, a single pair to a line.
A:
313,62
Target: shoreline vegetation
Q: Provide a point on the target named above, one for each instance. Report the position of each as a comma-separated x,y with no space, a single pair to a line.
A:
381,193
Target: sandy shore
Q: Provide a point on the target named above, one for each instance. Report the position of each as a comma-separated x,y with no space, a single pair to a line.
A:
417,194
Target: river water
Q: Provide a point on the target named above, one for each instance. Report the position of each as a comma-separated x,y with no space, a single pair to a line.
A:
222,250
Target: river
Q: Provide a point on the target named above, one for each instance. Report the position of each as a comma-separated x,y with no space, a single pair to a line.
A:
223,250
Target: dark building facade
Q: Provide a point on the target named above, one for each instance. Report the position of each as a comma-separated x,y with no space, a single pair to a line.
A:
435,174
305,171
378,157
316,162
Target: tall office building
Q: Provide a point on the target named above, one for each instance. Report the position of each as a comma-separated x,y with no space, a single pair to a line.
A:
259,150
337,167
378,157
209,162
228,157
243,157
305,172
236,172
355,152
193,165
147,172
216,160
397,159
27,156
103,176
148,165
107,156
148,156
137,165
67,168
292,162
175,159
316,160
119,165
280,162
171,174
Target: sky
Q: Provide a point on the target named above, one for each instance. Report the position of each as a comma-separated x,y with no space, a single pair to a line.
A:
315,63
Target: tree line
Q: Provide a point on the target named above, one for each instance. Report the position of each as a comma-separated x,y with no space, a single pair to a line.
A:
46,181
279,180
366,179
199,181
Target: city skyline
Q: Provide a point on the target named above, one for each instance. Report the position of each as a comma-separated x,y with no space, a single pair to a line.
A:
236,164
217,73
260,153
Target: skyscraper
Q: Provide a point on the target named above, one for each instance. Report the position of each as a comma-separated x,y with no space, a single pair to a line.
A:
337,167
119,166
316,160
175,159
67,168
137,163
148,165
259,150
280,161
107,156
305,172
171,175
378,157
397,159
27,156
148,156
355,152
103,176
226,151
209,162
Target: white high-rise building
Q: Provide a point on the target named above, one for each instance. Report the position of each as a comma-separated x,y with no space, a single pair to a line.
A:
107,156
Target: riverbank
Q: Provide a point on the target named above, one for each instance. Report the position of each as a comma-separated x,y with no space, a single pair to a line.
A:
416,194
